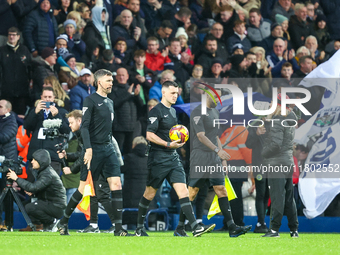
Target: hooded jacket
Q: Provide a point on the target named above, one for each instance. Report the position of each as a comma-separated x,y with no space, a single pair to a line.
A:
278,145
48,185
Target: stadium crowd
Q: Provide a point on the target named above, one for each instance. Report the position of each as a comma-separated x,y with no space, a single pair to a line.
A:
51,48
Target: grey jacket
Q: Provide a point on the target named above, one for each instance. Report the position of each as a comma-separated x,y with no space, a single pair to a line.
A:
256,35
278,146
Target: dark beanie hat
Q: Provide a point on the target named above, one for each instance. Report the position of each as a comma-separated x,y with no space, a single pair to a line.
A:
273,26
320,18
40,1
68,56
47,52
217,61
235,60
120,38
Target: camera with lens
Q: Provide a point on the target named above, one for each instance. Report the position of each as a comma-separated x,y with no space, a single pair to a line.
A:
14,165
52,128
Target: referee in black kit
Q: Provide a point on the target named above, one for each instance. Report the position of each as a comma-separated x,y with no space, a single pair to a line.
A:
163,161
207,151
96,132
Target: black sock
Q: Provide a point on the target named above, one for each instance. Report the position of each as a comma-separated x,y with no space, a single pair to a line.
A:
188,212
109,209
117,206
71,206
181,219
142,209
94,210
226,211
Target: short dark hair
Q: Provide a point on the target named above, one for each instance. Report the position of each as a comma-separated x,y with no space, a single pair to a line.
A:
48,89
13,30
139,53
174,40
108,55
249,53
303,59
77,114
238,22
184,12
167,84
287,64
100,73
209,37
255,10
167,24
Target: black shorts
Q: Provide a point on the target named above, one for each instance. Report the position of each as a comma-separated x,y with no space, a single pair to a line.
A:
104,162
164,165
205,159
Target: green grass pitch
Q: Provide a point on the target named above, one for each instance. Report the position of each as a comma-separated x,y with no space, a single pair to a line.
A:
164,243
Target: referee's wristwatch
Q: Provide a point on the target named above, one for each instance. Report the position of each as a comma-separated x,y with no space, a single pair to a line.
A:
168,145
216,150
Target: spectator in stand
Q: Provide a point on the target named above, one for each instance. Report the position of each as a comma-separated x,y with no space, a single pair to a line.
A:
127,100
317,92
140,74
258,28
239,37
197,17
34,123
61,98
183,37
216,70
209,53
92,55
263,70
244,6
65,8
70,73
154,58
75,44
181,19
123,56
8,19
217,31
302,51
162,33
332,9
42,69
107,62
173,6
154,12
310,13
193,40
181,65
196,75
134,7
82,90
156,90
321,32
276,32
227,17
117,8
84,11
279,56
283,22
239,73
238,49
284,8
312,44
96,31
299,29
40,28
15,58
8,146
126,29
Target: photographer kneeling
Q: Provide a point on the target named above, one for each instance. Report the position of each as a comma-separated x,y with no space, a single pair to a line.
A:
48,188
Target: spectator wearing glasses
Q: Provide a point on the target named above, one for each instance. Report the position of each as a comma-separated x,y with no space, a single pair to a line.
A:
279,56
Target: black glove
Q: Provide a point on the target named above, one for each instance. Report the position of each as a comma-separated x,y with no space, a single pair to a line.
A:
76,38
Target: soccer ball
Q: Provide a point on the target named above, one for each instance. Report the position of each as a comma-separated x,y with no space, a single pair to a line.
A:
179,132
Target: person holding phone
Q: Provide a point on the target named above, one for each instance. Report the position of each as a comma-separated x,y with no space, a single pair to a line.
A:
46,109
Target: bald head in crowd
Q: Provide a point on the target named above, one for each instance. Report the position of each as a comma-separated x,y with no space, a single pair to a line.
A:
126,18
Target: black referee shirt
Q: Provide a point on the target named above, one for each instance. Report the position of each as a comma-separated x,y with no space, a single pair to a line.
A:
97,120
